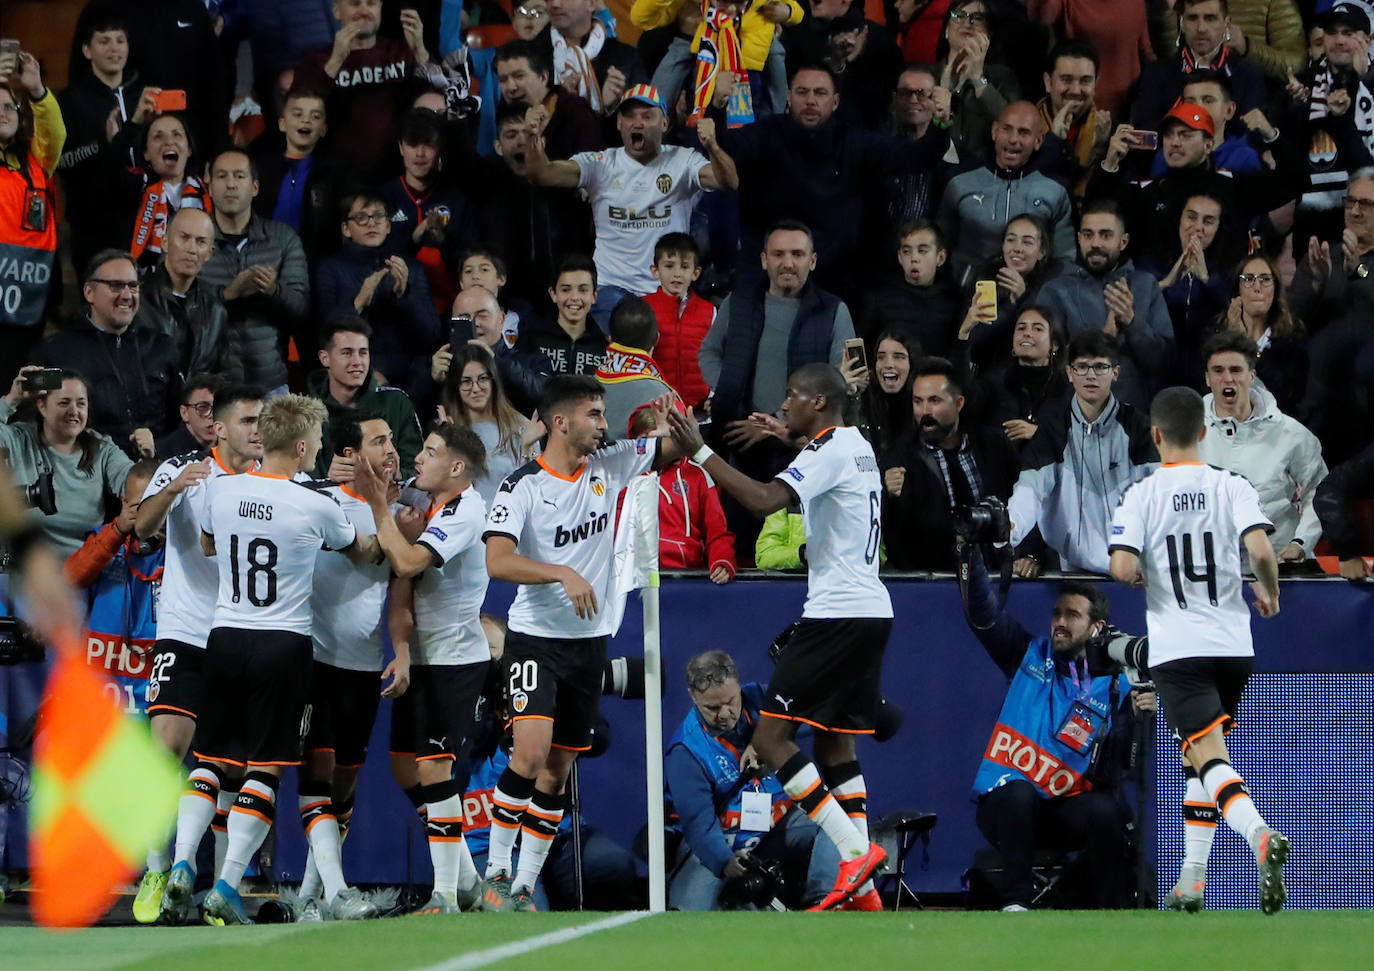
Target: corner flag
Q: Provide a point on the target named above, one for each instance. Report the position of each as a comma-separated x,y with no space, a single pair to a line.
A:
103,792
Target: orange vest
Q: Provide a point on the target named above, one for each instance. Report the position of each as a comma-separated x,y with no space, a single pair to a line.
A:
26,256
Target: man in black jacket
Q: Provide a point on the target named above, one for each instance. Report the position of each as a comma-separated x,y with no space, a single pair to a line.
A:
925,304
104,94
809,165
131,374
172,45
938,466
174,302
1342,524
532,226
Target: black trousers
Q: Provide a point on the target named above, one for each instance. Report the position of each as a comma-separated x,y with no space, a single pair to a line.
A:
1018,821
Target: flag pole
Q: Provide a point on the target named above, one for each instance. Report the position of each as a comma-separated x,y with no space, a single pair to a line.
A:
653,745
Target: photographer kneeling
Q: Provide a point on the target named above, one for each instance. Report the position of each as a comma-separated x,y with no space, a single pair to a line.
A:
744,841
1051,771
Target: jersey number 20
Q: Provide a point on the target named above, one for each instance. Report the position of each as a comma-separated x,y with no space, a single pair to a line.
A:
261,575
1189,567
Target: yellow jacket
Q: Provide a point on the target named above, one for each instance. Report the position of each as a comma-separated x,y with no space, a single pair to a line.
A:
49,135
755,32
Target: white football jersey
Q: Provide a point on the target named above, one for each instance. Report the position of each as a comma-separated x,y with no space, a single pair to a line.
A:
633,205
448,597
348,603
836,479
267,531
190,579
1185,522
570,522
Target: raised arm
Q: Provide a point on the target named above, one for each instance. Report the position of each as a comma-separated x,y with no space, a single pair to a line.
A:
539,168
760,498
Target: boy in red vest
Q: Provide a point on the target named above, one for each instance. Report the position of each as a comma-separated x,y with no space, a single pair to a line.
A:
683,317
692,534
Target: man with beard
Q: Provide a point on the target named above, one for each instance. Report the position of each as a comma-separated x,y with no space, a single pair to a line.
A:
1075,125
978,204
637,192
1076,724
1104,291
939,465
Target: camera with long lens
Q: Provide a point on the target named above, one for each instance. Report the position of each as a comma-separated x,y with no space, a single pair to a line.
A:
18,644
758,886
1114,651
985,521
40,495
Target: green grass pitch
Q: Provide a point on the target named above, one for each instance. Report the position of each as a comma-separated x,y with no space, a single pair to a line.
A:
937,940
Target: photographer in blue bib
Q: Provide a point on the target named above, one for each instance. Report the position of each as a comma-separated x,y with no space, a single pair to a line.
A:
744,842
1051,773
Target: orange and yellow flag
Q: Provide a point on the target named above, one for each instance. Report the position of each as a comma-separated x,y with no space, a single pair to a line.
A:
104,791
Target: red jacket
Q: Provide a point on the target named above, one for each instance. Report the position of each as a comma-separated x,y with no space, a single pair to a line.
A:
691,525
682,326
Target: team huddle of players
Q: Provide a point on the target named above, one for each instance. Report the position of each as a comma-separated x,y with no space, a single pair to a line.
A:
297,576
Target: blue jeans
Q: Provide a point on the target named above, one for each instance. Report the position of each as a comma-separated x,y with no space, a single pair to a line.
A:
694,887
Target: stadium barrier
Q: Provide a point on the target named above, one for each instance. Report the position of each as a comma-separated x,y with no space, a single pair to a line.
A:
1306,731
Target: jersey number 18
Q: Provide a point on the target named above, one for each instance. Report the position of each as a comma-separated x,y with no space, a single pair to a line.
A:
259,569
1189,570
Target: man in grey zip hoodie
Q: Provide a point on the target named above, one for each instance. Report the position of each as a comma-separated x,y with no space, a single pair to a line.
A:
1104,292
1079,462
1248,435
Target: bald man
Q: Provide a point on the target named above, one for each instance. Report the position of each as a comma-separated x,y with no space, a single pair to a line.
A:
523,369
978,204
176,303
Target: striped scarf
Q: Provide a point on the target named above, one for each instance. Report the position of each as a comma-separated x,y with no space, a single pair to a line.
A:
719,49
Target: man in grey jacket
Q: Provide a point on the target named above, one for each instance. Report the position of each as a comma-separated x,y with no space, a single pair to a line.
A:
978,204
1079,462
1247,434
1104,292
259,269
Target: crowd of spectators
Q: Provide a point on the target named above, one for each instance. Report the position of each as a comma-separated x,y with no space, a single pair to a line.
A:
1034,215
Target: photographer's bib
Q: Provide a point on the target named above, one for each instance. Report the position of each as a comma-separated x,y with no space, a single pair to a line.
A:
28,244
1049,727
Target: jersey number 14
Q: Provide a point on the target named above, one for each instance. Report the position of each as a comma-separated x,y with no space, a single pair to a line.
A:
1188,571
259,571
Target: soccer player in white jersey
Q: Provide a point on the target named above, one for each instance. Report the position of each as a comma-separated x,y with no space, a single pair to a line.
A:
436,602
551,530
828,674
173,499
638,192
348,607
264,530
1179,532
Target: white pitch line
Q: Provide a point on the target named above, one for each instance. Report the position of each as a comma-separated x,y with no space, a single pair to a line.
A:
480,959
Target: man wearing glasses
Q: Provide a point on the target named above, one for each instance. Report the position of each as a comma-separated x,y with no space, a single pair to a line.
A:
1104,292
196,433
1080,462
131,373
